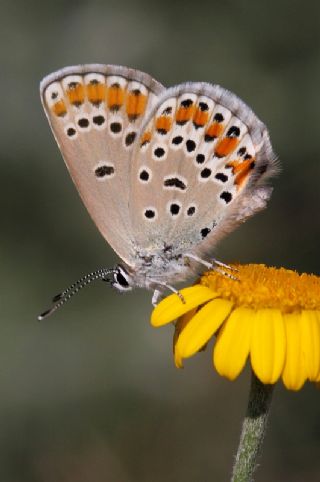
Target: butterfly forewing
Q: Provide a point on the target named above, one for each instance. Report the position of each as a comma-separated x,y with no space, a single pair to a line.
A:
200,150
95,112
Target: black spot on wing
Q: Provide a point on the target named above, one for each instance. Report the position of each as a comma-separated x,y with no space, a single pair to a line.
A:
167,111
177,140
234,131
130,138
221,177
174,209
71,131
200,158
149,213
186,103
226,196
203,106
191,210
83,122
144,175
99,120
241,151
205,173
175,182
103,171
159,152
218,117
191,145
115,127
204,232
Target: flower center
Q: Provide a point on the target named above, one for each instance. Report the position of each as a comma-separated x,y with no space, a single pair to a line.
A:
262,287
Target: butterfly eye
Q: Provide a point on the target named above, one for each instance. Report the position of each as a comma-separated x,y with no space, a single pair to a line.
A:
121,280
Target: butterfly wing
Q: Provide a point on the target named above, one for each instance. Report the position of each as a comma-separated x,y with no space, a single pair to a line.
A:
95,112
198,169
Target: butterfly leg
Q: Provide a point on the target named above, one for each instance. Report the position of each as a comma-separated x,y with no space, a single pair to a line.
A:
223,265
157,293
215,265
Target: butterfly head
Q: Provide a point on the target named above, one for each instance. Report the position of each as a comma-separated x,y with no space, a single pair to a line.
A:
122,280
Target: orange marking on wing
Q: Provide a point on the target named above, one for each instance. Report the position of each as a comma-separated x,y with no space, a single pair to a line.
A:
215,130
226,146
136,104
115,97
184,114
241,178
163,124
200,118
96,92
145,138
59,108
76,94
241,169
141,104
235,166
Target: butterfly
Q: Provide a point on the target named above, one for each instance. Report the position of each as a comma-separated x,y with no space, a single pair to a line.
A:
164,173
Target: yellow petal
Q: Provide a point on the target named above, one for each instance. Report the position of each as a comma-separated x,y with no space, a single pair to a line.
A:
310,340
182,322
179,326
178,358
172,306
294,373
268,345
202,326
318,317
233,343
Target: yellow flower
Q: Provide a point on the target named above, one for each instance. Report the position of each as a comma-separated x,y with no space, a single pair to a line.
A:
270,315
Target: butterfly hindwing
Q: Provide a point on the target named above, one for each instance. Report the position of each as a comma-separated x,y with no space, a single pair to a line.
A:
95,112
201,152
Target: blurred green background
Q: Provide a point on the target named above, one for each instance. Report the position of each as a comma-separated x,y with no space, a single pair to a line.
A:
92,393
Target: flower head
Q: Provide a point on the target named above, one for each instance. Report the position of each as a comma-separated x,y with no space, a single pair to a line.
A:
270,315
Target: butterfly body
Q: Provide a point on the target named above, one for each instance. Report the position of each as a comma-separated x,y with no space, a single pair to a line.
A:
164,173
158,267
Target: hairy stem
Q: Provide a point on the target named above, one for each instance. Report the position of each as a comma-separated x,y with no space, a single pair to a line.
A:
253,431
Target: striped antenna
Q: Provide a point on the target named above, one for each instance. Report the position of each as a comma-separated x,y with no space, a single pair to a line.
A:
61,298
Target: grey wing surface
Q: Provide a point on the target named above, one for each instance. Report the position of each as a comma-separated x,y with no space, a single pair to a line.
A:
95,112
198,169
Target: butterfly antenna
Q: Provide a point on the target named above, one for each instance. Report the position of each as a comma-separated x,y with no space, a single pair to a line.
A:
88,278
61,298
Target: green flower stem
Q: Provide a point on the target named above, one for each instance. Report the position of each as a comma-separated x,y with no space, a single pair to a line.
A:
253,430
